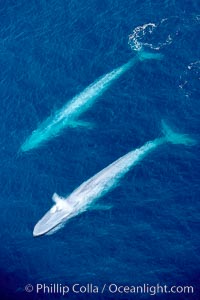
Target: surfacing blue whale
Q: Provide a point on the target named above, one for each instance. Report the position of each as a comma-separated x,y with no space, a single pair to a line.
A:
89,191
68,115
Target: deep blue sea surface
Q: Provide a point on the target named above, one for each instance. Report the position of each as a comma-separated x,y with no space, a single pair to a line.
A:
49,52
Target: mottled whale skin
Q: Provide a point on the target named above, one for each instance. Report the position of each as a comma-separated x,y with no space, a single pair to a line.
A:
68,115
89,191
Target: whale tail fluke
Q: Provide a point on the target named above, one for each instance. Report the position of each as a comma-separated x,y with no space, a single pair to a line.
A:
149,55
176,138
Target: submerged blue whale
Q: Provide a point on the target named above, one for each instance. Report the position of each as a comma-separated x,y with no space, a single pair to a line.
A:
68,115
82,198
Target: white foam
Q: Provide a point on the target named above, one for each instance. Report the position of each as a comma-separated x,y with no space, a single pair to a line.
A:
135,39
145,36
189,79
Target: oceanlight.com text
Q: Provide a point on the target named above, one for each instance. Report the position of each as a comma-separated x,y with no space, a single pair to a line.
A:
150,289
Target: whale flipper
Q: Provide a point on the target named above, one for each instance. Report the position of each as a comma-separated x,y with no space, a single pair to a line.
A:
101,207
75,124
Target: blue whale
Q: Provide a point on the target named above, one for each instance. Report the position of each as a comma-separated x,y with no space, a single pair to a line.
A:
68,115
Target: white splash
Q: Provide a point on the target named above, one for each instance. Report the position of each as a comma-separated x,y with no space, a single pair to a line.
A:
152,36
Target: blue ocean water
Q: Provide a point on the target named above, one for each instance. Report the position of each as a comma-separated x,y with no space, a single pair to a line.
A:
49,52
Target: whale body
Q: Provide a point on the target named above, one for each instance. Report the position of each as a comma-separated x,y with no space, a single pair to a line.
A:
89,191
68,115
